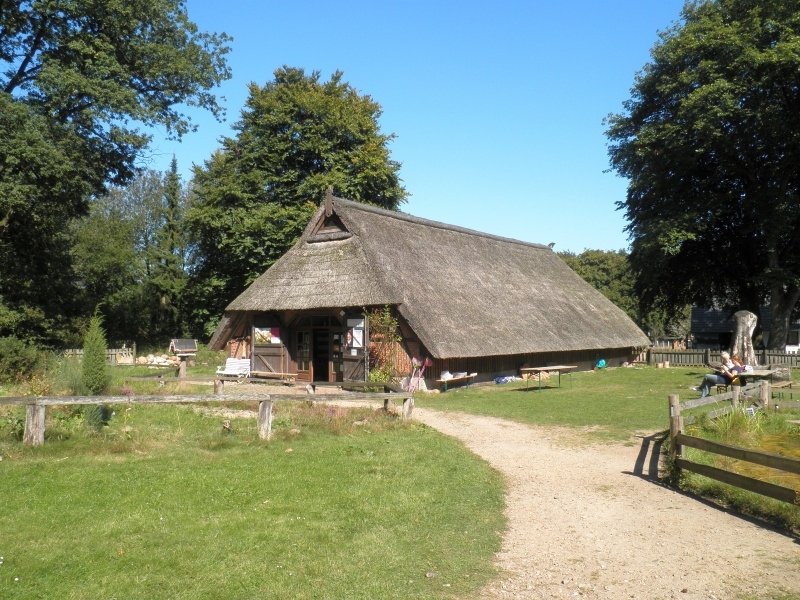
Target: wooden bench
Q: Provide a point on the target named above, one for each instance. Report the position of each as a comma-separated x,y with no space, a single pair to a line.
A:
235,367
444,383
285,377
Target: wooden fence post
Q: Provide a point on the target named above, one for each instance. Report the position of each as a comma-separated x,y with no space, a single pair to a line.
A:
736,391
765,393
219,386
34,425
675,426
408,407
265,419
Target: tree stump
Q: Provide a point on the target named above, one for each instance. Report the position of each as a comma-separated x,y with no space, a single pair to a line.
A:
742,341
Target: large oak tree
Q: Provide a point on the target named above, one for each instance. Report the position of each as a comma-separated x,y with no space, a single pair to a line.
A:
297,136
710,144
78,80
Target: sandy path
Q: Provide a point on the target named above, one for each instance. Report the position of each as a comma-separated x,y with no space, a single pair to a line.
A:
591,521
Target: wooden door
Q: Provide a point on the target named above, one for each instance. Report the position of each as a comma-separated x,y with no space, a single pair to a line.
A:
305,367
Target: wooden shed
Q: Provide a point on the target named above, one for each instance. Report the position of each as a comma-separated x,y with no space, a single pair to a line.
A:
470,301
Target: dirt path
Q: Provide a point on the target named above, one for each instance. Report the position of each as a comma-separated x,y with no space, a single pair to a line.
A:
592,521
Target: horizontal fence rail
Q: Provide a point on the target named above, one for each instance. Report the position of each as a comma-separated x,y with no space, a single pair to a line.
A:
680,440
36,406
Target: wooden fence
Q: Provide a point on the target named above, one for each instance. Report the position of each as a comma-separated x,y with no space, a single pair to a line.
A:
699,358
679,441
36,406
114,356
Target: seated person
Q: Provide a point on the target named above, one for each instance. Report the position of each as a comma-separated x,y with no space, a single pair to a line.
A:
723,377
739,367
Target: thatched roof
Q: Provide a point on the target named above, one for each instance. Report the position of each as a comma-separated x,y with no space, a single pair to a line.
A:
463,292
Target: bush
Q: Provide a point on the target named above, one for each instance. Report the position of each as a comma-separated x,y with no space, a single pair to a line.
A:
18,360
95,374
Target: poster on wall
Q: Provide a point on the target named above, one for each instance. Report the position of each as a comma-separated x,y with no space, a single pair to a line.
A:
267,335
354,339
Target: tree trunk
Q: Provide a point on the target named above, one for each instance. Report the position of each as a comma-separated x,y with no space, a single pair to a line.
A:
742,342
782,301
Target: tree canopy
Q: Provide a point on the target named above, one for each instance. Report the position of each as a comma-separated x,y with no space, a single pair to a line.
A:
297,136
78,78
710,144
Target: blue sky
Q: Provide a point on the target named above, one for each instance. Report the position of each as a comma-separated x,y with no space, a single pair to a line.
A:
497,107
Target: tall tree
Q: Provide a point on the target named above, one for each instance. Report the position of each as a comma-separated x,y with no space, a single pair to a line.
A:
77,79
710,144
130,257
297,136
168,278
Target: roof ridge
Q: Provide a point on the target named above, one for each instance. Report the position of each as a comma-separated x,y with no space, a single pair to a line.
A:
429,223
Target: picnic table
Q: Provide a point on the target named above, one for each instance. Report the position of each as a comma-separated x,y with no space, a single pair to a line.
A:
540,370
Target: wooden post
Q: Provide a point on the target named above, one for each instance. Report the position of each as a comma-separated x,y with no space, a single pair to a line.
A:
765,393
265,419
675,426
34,425
408,407
707,356
182,370
219,386
736,391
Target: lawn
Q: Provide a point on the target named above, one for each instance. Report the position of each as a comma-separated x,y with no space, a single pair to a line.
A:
166,504
612,404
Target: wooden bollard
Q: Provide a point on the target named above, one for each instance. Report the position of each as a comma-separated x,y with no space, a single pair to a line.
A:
265,419
736,391
675,426
408,408
219,386
34,425
765,393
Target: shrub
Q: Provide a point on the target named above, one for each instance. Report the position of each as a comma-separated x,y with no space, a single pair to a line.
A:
95,373
18,359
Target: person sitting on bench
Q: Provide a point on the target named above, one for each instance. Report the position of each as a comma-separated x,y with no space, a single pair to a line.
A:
724,376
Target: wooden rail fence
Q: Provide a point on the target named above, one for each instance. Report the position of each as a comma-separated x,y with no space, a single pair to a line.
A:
699,358
679,441
114,356
36,406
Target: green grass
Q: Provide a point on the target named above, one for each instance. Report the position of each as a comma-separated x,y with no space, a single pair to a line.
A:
166,504
768,431
611,404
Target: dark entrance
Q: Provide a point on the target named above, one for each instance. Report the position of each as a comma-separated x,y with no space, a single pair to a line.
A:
323,353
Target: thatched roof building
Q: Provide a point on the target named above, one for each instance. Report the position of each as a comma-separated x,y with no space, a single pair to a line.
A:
463,298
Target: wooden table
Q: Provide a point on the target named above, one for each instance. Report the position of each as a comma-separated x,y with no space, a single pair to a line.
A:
758,374
540,370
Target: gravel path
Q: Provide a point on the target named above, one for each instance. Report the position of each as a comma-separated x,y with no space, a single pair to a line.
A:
592,521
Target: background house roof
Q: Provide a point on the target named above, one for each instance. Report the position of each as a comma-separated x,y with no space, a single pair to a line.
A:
464,293
713,320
